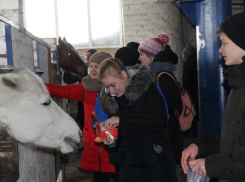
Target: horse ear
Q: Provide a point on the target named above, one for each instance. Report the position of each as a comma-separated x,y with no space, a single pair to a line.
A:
64,39
61,43
60,40
10,82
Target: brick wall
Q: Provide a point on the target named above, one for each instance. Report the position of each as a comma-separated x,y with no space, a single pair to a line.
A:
144,19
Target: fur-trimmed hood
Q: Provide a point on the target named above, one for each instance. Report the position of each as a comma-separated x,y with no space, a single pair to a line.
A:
141,78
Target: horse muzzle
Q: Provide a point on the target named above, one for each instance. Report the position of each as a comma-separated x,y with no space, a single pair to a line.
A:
74,145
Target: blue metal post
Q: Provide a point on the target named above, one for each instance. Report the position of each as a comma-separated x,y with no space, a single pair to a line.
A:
38,55
212,90
9,45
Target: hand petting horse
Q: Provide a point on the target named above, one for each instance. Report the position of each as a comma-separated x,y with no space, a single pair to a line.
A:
31,117
69,59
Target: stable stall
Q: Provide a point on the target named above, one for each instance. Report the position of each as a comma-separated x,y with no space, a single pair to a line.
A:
20,162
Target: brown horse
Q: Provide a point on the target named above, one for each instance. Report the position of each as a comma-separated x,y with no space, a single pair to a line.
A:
69,59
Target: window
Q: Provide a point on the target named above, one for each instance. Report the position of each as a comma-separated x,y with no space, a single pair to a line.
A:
84,23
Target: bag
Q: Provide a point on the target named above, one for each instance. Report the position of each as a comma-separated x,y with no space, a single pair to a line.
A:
195,177
188,110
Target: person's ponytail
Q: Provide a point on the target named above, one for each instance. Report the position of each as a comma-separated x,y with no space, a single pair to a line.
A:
103,102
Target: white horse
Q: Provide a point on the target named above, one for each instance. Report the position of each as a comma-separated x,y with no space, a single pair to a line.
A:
32,117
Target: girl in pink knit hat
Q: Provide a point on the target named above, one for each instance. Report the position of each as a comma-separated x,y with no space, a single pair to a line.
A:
156,53
149,48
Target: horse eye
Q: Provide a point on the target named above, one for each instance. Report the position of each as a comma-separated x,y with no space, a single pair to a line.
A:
47,103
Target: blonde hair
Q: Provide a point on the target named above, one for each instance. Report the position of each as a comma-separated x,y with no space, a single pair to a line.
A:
110,67
219,31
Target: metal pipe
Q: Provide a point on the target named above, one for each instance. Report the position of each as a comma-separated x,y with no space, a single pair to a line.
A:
240,4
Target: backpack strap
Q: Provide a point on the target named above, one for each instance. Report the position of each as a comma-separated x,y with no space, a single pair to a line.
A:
176,113
158,76
166,105
182,91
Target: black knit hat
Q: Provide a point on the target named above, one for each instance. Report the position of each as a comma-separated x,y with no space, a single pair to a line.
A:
234,28
166,55
127,56
135,46
92,51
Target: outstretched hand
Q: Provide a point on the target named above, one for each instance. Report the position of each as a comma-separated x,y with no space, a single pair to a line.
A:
112,122
189,152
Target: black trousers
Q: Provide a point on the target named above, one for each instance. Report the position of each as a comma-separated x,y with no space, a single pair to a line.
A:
105,177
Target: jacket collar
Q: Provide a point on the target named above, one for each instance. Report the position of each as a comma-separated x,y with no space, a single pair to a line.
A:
141,78
235,74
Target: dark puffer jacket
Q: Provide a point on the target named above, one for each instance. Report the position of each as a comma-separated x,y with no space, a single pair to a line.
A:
225,154
164,62
146,151
172,95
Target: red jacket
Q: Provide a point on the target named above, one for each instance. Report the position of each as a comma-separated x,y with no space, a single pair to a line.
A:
94,156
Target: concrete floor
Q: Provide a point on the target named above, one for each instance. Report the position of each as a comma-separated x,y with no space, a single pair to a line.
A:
72,174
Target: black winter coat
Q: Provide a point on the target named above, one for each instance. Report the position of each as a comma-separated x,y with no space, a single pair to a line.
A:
172,95
146,151
190,83
225,154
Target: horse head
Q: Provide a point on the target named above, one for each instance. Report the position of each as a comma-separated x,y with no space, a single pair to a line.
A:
32,117
69,58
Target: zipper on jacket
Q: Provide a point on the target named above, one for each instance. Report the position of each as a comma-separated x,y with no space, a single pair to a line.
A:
97,95
99,158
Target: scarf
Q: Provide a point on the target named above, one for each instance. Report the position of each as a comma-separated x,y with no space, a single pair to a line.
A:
159,67
91,84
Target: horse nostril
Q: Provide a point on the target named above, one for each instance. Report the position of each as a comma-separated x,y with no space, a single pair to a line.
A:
80,145
67,139
80,134
74,144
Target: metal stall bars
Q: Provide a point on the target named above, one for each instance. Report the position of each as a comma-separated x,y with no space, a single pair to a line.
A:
34,164
9,162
